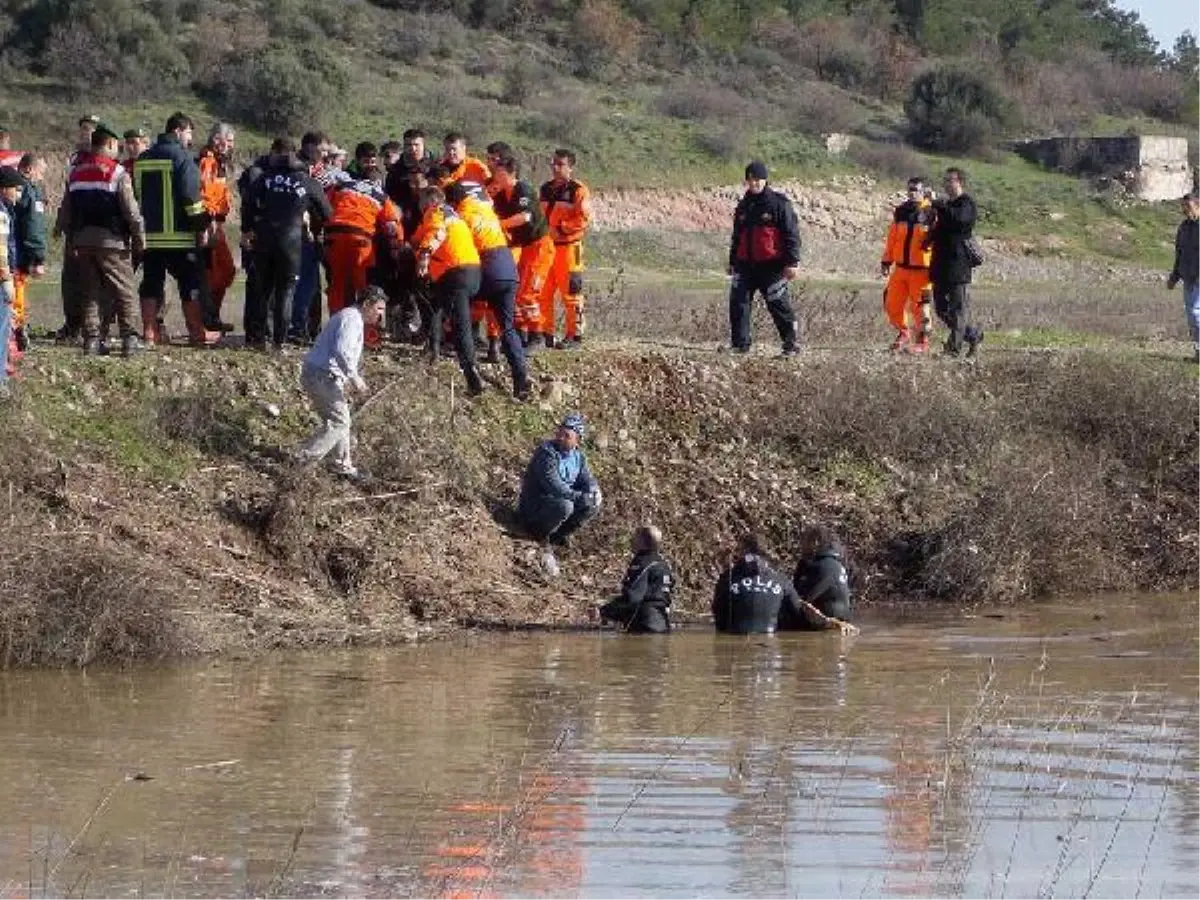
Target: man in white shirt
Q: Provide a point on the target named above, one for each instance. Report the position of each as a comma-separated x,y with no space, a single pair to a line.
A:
332,365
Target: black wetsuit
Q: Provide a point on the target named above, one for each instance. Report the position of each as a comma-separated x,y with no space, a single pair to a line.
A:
645,601
823,582
749,596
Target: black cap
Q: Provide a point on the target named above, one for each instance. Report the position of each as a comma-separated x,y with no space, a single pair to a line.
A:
89,120
757,171
106,131
131,133
10,177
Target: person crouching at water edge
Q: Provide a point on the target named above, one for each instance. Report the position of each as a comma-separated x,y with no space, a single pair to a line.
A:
558,493
330,366
645,602
752,598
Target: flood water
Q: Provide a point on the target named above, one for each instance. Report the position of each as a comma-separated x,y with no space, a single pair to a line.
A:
1052,752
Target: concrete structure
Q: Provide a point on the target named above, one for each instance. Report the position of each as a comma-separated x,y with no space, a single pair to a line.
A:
1151,167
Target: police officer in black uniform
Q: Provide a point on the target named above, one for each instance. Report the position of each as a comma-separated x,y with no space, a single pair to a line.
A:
750,593
645,602
823,585
279,200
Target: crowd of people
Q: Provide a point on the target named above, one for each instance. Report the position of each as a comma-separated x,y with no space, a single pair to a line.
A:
465,249
420,247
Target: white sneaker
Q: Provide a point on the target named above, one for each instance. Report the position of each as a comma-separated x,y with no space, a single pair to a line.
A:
549,563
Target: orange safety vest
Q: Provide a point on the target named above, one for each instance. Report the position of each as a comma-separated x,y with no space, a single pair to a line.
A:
447,239
568,207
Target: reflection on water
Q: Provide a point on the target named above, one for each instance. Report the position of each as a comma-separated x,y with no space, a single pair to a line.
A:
1049,753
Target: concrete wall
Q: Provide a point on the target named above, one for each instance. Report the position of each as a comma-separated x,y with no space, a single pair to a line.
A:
1151,167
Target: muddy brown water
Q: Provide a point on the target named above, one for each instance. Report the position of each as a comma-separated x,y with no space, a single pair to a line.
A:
1051,752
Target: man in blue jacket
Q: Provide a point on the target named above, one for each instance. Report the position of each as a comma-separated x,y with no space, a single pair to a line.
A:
558,493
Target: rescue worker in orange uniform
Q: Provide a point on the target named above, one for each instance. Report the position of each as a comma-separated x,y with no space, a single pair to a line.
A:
568,208
524,222
214,162
446,255
362,215
498,280
905,264
473,173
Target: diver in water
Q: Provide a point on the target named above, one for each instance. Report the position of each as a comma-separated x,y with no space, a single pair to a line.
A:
645,602
822,586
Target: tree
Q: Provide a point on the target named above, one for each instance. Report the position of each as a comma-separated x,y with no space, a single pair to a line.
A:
954,110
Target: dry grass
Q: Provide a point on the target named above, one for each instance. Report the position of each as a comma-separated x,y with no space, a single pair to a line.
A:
1027,475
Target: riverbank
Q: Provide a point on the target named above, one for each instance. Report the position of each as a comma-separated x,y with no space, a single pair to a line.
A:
151,515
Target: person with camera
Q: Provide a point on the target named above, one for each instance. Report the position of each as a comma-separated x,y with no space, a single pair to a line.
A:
954,255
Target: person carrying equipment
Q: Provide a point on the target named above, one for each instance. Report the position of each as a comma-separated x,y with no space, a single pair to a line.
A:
645,602
822,585
282,199
214,163
362,214
750,594
905,264
567,206
167,184
498,280
764,257
446,255
101,215
523,220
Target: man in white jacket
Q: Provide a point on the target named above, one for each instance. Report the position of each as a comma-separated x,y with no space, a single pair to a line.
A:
329,368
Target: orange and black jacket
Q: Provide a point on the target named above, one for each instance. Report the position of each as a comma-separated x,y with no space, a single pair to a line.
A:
908,235
766,234
361,208
446,239
568,208
471,173
522,200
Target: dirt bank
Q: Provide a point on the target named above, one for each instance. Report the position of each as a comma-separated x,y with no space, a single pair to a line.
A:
149,515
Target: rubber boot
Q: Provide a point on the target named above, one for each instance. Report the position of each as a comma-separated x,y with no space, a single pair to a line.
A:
198,335
493,351
150,333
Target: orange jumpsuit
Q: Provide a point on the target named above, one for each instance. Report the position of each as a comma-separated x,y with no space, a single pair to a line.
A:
568,209
488,236
532,247
218,203
908,292
472,173
361,211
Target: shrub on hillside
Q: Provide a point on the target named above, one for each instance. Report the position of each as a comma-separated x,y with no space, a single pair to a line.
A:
274,89
955,110
818,108
522,78
698,101
891,161
722,142
562,116
602,38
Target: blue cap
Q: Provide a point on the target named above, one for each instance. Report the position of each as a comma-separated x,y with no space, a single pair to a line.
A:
574,422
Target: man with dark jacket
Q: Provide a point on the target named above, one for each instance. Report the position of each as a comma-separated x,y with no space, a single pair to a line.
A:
1187,266
750,594
822,586
950,263
166,180
558,493
30,214
764,256
101,217
645,602
282,199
